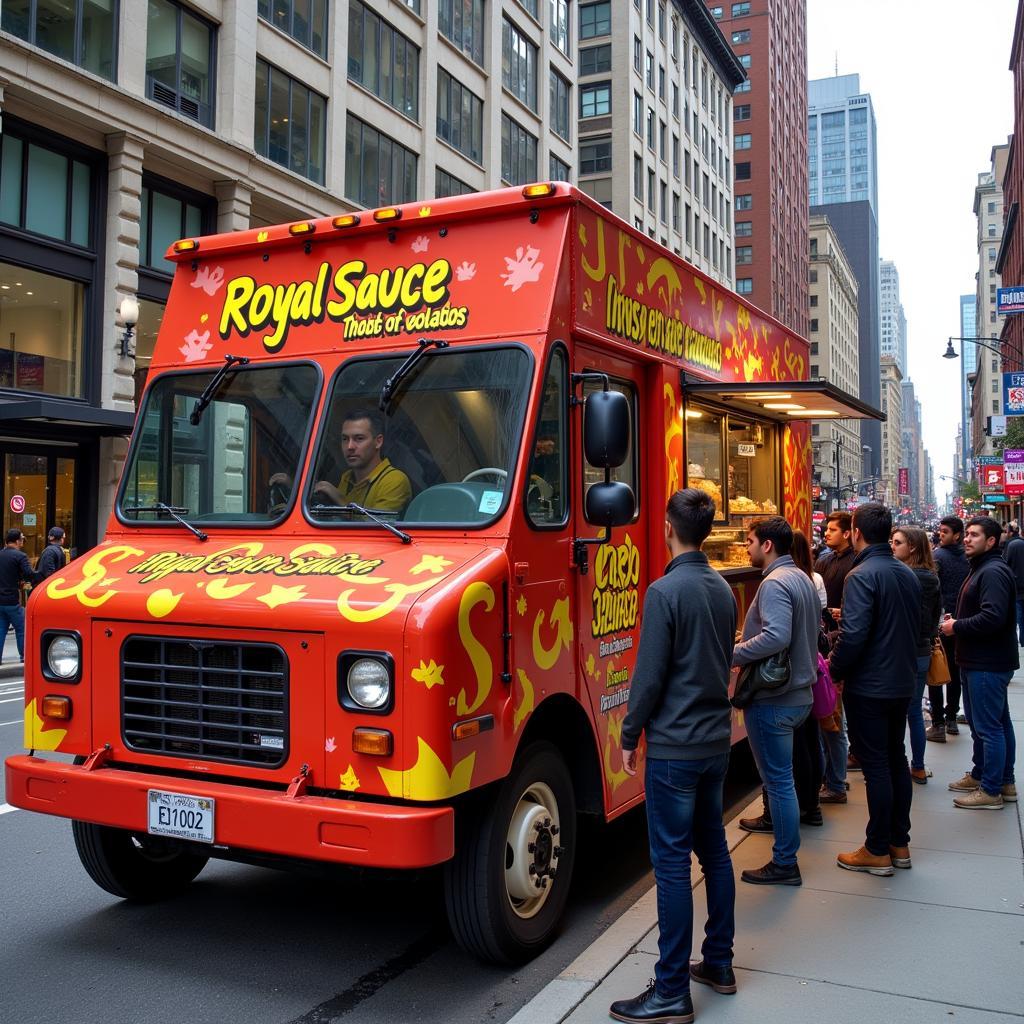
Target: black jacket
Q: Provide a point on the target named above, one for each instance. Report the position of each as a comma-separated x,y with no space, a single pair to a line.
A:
931,609
953,568
1013,555
50,561
875,654
986,617
833,568
680,689
15,569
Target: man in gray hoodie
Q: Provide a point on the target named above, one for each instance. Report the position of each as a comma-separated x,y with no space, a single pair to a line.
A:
680,700
784,615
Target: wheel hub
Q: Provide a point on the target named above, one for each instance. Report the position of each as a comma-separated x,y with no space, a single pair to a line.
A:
532,850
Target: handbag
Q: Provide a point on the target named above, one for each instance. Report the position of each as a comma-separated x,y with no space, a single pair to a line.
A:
771,673
938,667
823,692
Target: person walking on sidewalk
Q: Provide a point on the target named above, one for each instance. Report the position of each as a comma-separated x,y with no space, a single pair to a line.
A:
1013,555
951,563
876,656
835,744
52,558
910,545
985,630
784,616
680,700
15,570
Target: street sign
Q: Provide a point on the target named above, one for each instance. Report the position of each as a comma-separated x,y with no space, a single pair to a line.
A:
991,479
1010,300
1013,394
1013,472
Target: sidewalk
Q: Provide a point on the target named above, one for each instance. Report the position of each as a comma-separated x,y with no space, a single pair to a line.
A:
943,941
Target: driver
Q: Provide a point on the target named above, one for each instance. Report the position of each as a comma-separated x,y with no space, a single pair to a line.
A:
370,480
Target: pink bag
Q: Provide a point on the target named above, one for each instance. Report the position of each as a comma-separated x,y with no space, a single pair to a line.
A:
823,691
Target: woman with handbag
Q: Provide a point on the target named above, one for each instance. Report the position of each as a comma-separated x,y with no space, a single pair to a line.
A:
910,545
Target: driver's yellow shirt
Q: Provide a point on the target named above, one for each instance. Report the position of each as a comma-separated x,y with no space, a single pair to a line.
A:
387,487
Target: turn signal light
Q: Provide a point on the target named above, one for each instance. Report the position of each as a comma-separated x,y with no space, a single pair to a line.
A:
57,707
302,228
539,191
186,245
350,220
472,727
378,742
387,213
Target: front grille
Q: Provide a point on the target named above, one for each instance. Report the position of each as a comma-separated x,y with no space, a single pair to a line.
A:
207,699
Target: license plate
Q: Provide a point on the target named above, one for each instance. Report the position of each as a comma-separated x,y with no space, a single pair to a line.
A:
181,816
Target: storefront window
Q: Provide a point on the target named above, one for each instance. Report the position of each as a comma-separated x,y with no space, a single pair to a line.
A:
752,473
41,330
704,455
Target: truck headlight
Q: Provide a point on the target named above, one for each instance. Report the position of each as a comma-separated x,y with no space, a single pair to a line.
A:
63,657
369,683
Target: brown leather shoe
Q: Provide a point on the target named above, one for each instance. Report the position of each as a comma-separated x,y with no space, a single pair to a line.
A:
826,796
937,734
862,860
919,775
900,856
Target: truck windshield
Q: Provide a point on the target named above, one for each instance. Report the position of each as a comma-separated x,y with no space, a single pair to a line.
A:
239,463
443,454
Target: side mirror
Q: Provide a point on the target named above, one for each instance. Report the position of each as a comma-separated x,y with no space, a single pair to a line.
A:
610,504
606,429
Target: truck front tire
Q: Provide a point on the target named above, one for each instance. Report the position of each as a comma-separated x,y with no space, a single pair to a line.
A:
135,867
507,886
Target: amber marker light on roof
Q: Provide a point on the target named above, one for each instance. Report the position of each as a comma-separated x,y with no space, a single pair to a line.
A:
539,191
186,245
304,227
387,213
350,220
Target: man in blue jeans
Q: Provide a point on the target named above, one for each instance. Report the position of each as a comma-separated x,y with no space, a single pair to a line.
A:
15,570
984,631
783,616
680,700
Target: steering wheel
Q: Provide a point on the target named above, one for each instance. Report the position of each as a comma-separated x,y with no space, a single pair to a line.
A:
501,474
278,499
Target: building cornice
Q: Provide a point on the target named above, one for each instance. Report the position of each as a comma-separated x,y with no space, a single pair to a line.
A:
715,45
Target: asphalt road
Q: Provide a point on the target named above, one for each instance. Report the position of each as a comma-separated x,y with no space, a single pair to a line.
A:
246,945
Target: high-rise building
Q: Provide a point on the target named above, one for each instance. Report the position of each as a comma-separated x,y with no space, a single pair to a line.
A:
655,133
841,151
770,148
911,448
968,329
893,318
887,490
834,354
128,125
987,395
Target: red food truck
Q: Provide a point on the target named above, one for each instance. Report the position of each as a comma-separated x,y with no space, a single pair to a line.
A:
371,590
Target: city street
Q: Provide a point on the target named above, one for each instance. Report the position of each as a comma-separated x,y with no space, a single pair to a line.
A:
259,946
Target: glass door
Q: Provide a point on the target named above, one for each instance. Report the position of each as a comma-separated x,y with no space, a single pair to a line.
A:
38,493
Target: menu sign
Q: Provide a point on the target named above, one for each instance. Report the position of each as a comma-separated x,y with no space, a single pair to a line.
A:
1013,472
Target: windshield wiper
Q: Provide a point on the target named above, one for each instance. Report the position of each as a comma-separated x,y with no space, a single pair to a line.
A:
174,513
391,384
210,391
369,513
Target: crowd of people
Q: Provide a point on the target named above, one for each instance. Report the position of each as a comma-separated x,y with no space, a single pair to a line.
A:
835,657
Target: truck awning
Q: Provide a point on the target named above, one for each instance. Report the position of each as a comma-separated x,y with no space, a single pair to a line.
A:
784,400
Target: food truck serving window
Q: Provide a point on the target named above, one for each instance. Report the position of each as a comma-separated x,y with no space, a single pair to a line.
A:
238,463
442,453
735,460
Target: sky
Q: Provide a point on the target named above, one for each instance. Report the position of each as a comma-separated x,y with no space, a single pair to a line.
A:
938,75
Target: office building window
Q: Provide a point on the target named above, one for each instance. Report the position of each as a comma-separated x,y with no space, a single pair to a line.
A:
446,184
744,285
650,191
518,64
744,254
595,19
663,193
716,13
662,20
744,86
638,55
814,277
378,170
650,128
814,328
687,223
559,104
742,142
675,39
291,123
743,36
179,60
382,60
595,155
745,60
638,178
460,116
740,10
675,156
167,214
744,202
743,171
661,82
595,60
675,99
638,114
663,140
707,241
530,6
560,24
744,227
558,169
707,192
741,112
518,153
82,32
304,20
462,22
675,211
595,99
649,70
599,189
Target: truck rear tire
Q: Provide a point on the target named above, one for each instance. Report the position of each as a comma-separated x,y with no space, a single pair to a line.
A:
133,866
507,885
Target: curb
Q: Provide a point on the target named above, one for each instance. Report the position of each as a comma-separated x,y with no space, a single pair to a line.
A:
557,1000
15,670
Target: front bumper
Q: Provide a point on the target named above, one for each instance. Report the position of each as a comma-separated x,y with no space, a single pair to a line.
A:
310,827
